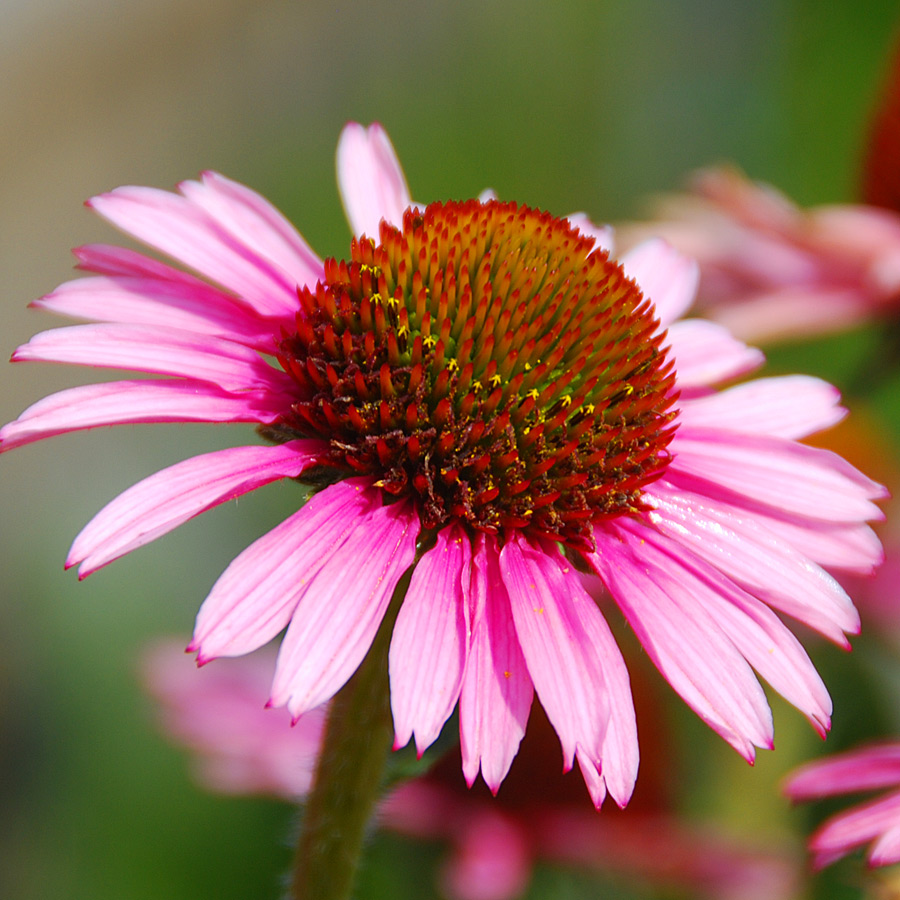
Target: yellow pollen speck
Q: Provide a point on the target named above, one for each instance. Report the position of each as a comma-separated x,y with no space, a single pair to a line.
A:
539,610
507,674
566,400
376,298
495,380
534,393
429,340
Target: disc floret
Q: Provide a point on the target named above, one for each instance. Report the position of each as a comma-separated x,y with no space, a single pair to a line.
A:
487,361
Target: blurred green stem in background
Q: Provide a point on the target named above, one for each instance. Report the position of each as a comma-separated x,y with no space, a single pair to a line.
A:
349,775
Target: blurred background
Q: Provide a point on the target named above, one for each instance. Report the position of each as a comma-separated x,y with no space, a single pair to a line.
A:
583,105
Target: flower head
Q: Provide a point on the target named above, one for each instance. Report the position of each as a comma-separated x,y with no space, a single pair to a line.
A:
479,396
875,822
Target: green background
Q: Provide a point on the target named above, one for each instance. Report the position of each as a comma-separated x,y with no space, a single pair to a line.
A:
588,106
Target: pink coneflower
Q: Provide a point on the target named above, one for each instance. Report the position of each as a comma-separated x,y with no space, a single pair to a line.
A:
237,747
876,822
771,270
478,394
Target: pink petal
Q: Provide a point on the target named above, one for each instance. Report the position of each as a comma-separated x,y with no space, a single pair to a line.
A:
886,850
109,259
255,224
792,406
257,594
370,179
553,614
497,690
160,351
706,354
341,607
130,402
782,474
431,635
658,598
848,547
664,275
169,498
862,769
164,304
745,550
180,229
848,830
756,632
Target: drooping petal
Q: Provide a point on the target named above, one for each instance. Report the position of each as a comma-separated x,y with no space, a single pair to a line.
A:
431,636
553,614
131,402
257,594
163,304
757,633
497,690
683,640
885,851
255,224
182,230
865,769
706,354
792,406
770,568
857,826
664,275
781,474
341,607
170,497
372,184
159,351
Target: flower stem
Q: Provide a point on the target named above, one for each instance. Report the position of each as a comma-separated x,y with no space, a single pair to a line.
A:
349,775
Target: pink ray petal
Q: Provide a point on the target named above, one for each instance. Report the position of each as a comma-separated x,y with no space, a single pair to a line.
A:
756,632
792,406
161,351
782,474
664,275
864,769
164,304
255,224
885,851
341,607
131,402
706,353
370,179
257,594
431,635
497,690
851,829
593,780
182,230
108,259
737,545
170,497
553,615
683,640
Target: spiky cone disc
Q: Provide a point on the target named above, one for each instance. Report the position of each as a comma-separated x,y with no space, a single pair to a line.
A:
487,361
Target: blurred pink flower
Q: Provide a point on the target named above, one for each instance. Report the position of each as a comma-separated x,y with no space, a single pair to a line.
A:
770,270
876,822
484,397
238,747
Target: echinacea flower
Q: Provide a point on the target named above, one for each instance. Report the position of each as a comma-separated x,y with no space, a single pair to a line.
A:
480,395
874,822
771,270
237,747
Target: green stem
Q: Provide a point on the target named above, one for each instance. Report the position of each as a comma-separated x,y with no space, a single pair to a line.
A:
349,775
